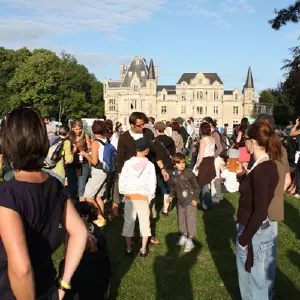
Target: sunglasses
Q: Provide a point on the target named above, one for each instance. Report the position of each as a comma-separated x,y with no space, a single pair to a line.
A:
140,126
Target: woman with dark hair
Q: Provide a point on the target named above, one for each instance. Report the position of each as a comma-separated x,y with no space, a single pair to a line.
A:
255,239
216,193
96,185
205,164
244,155
168,130
32,206
78,171
177,138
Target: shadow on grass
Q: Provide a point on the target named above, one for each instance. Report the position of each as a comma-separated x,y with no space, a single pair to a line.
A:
120,262
294,258
292,221
220,230
172,271
284,288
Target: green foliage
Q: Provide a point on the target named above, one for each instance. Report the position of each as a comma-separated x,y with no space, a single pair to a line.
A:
57,86
267,96
290,14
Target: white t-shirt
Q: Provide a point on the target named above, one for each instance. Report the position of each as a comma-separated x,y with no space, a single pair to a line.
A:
230,183
136,136
101,149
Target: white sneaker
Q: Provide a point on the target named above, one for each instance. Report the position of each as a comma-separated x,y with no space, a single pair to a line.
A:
182,241
189,246
297,196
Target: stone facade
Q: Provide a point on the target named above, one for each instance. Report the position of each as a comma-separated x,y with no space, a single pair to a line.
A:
195,95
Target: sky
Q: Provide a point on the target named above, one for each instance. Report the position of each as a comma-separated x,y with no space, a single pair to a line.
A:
221,36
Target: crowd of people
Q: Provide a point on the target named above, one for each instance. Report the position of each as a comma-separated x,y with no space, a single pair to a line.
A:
62,180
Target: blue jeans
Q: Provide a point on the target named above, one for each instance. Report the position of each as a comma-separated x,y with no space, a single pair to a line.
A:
206,201
273,261
76,183
254,285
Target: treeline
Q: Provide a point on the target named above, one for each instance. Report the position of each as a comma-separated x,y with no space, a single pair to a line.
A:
286,97
57,85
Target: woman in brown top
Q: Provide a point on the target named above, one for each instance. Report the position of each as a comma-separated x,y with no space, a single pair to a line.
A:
255,238
78,171
177,138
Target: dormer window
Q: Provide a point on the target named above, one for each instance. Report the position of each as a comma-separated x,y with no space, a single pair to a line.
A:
143,73
236,97
199,80
135,88
130,74
164,96
137,62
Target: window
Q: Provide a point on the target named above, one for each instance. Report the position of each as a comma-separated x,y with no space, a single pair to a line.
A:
268,110
112,105
163,110
164,96
125,121
183,110
183,97
151,85
199,95
235,122
135,88
206,110
199,80
130,74
137,62
199,110
143,73
216,96
216,110
235,110
149,108
236,96
133,104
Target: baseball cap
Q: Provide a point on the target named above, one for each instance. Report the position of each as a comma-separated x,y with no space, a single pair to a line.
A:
160,126
142,144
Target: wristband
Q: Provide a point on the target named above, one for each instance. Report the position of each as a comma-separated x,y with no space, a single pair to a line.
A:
63,284
163,168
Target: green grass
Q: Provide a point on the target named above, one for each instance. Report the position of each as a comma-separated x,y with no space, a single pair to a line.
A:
208,272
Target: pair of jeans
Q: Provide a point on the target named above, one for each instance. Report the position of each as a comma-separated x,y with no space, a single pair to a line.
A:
76,183
206,201
254,285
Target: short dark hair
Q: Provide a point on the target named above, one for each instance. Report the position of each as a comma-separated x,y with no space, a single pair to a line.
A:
192,119
177,158
47,118
99,127
205,129
175,126
266,119
151,119
210,121
226,124
244,124
24,139
109,128
137,116
63,130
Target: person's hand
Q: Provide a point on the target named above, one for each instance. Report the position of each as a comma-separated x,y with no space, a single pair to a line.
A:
239,168
84,154
197,167
165,174
170,199
243,248
194,203
298,122
61,294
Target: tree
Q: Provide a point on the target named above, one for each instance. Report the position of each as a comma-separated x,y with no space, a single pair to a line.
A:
267,96
290,14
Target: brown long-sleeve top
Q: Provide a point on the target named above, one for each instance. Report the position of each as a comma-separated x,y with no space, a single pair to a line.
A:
257,191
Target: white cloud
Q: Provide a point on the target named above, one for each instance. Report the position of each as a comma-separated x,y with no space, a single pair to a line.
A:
43,18
235,6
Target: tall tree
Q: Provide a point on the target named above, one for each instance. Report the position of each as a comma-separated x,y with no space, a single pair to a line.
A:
286,15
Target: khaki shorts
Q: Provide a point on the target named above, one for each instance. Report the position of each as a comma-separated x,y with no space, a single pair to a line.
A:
134,208
95,185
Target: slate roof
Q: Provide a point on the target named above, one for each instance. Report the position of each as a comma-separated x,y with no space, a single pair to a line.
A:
228,92
136,68
114,84
151,71
167,87
249,81
188,76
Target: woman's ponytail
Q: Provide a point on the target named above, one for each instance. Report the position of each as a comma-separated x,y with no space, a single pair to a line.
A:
273,147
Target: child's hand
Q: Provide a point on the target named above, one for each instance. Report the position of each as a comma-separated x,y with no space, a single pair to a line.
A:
194,203
239,167
170,199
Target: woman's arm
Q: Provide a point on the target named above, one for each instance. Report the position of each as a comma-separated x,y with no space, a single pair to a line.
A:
20,271
239,137
94,159
201,152
88,142
76,242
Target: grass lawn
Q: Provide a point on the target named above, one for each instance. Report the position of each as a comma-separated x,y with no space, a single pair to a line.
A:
209,271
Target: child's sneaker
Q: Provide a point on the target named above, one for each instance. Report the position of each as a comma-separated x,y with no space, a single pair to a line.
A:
189,245
182,241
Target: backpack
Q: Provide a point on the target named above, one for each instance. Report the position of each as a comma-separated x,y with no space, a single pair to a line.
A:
109,164
54,154
226,145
